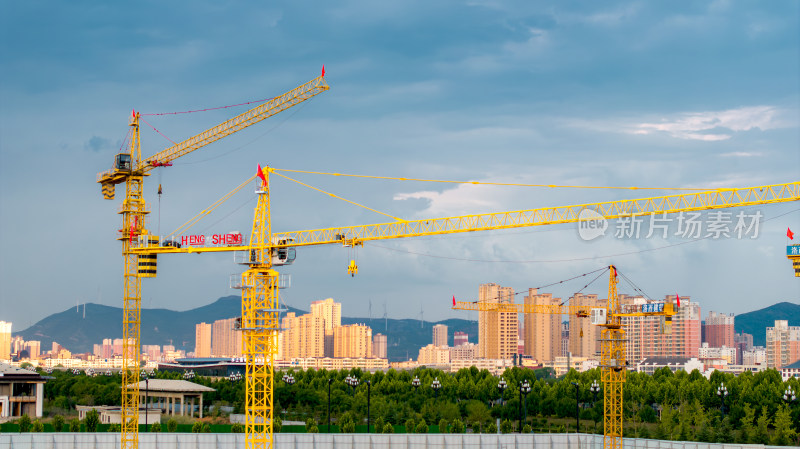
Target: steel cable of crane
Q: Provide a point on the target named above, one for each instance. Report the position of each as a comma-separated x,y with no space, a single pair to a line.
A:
340,198
504,184
635,287
212,109
603,270
192,221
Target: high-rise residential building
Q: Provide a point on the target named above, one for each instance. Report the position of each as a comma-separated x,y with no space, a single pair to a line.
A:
460,338
584,338
202,340
97,350
354,340
17,345
5,340
433,355
34,348
497,331
719,330
303,336
331,313
757,355
647,336
117,345
468,351
440,335
783,344
225,341
745,338
153,352
108,348
379,345
542,331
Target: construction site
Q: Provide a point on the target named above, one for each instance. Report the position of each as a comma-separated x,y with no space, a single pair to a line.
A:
454,202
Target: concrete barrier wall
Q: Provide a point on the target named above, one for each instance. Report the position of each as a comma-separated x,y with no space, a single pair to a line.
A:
343,441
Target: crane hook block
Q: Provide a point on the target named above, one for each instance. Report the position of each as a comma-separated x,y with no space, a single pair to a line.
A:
352,268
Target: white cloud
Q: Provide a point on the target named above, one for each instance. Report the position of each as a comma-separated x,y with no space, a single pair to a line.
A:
696,125
742,154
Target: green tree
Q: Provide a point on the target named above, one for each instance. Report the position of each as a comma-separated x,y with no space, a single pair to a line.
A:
527,428
206,428
155,427
113,428
506,426
348,427
457,427
172,425
37,426
75,425
410,426
237,428
379,425
58,423
388,428
91,420
747,425
277,424
443,426
490,428
761,434
644,433
422,426
784,433
24,423
197,427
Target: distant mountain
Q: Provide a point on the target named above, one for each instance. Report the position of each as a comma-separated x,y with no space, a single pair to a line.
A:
757,322
161,327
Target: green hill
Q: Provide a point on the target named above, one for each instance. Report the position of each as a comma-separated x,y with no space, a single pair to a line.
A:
757,322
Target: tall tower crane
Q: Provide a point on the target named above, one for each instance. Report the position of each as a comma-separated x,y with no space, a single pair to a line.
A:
613,358
129,168
267,249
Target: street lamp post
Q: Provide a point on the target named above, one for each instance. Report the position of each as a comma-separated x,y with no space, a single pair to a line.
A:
369,389
415,383
789,395
577,407
353,382
502,385
595,388
722,392
330,381
436,385
146,391
524,389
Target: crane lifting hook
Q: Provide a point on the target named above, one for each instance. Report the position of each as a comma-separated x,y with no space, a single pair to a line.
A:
352,268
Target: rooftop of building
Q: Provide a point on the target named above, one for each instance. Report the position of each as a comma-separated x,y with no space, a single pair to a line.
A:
795,365
664,361
10,372
173,386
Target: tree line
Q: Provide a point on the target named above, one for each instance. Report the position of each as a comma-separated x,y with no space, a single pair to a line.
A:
688,403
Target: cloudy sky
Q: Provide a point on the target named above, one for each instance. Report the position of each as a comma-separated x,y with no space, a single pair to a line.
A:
647,94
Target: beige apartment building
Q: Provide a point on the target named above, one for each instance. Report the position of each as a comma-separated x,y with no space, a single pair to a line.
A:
303,336
542,331
202,340
584,337
497,331
331,313
783,344
225,341
353,341
440,335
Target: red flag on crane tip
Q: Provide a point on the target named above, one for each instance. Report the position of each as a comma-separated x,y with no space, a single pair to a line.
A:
323,69
454,300
678,298
261,174
789,234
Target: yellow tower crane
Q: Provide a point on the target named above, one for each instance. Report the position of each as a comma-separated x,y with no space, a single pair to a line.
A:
613,358
267,249
130,168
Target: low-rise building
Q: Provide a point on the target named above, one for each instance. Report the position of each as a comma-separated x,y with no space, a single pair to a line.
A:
651,364
21,392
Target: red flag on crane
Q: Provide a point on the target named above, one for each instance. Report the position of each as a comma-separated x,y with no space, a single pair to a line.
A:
789,234
678,298
454,300
261,175
323,69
